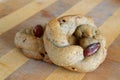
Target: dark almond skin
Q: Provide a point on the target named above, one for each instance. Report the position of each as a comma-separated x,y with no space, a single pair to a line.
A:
38,31
91,49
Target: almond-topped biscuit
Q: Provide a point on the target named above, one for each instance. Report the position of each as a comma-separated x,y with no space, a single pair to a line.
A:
75,43
30,41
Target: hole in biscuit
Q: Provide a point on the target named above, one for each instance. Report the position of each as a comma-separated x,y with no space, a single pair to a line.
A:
75,40
42,54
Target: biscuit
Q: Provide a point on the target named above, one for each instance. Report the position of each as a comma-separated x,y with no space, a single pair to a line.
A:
75,43
30,45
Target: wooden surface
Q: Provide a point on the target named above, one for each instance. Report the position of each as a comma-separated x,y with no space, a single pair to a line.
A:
17,14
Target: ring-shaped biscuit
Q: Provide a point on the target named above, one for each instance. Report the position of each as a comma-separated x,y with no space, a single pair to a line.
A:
70,42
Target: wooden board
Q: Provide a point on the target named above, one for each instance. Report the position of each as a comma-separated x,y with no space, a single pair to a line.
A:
8,6
15,66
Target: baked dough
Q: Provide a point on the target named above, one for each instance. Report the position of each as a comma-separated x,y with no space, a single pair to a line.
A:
31,45
73,42
66,39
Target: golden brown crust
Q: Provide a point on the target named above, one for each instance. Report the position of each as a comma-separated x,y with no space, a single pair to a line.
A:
31,46
61,45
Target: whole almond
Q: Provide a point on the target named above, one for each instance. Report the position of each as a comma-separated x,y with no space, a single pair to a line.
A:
91,49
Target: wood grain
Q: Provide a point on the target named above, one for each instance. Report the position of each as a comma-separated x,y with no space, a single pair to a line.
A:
8,6
82,7
17,17
10,64
63,74
30,68
109,70
100,14
114,50
111,28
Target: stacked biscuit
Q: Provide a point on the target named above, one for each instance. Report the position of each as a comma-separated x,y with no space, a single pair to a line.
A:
72,42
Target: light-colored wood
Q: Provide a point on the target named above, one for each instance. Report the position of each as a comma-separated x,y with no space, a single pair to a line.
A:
63,74
32,70
8,6
114,50
22,14
82,7
10,62
111,28
109,70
